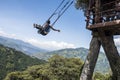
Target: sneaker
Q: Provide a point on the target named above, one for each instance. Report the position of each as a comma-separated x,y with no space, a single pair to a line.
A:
34,25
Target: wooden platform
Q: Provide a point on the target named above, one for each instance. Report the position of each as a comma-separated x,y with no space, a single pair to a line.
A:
113,26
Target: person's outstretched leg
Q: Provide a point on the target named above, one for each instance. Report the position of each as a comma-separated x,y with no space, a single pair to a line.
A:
37,26
34,25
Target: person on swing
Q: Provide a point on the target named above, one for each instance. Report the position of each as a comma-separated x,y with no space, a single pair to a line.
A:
45,29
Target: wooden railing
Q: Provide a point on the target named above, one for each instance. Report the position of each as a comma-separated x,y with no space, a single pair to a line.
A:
109,14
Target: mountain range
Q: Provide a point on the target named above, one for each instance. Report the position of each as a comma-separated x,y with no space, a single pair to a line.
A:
45,55
102,62
20,45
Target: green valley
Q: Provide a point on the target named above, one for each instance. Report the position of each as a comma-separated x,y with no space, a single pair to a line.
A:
12,60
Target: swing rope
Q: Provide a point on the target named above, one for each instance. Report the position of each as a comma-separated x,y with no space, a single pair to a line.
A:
62,11
54,11
64,5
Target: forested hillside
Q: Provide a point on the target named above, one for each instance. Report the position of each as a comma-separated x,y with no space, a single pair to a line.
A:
12,60
57,68
78,53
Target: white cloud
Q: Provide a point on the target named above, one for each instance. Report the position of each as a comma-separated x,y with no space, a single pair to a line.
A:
50,45
2,33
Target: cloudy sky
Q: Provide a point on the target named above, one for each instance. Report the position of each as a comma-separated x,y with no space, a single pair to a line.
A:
17,18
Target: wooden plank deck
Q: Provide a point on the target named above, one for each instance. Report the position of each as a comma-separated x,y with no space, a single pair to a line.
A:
112,26
105,25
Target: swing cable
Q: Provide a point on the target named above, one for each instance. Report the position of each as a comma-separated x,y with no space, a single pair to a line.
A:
64,6
55,11
62,11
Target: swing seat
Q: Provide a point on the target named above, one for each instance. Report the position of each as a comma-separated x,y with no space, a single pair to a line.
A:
42,32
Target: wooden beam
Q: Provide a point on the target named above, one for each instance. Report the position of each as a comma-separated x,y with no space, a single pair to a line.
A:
105,25
89,65
111,53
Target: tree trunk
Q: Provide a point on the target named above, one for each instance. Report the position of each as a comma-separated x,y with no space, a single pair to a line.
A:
89,65
112,54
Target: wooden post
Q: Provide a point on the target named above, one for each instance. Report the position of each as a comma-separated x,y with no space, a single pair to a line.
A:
95,44
111,53
104,37
91,59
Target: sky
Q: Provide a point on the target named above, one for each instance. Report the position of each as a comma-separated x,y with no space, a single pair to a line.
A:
17,18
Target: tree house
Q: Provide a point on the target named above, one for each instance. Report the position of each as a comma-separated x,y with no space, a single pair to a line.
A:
103,19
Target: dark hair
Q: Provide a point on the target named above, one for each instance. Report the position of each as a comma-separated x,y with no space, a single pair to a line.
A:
48,21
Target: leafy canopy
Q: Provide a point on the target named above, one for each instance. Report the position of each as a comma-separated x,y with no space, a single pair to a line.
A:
57,68
82,4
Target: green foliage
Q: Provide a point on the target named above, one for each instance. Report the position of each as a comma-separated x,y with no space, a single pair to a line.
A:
57,68
12,60
82,4
78,53
99,76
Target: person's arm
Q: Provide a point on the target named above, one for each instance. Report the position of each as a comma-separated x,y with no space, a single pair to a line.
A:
55,29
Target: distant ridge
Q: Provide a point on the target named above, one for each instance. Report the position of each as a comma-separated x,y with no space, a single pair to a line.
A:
20,45
101,66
